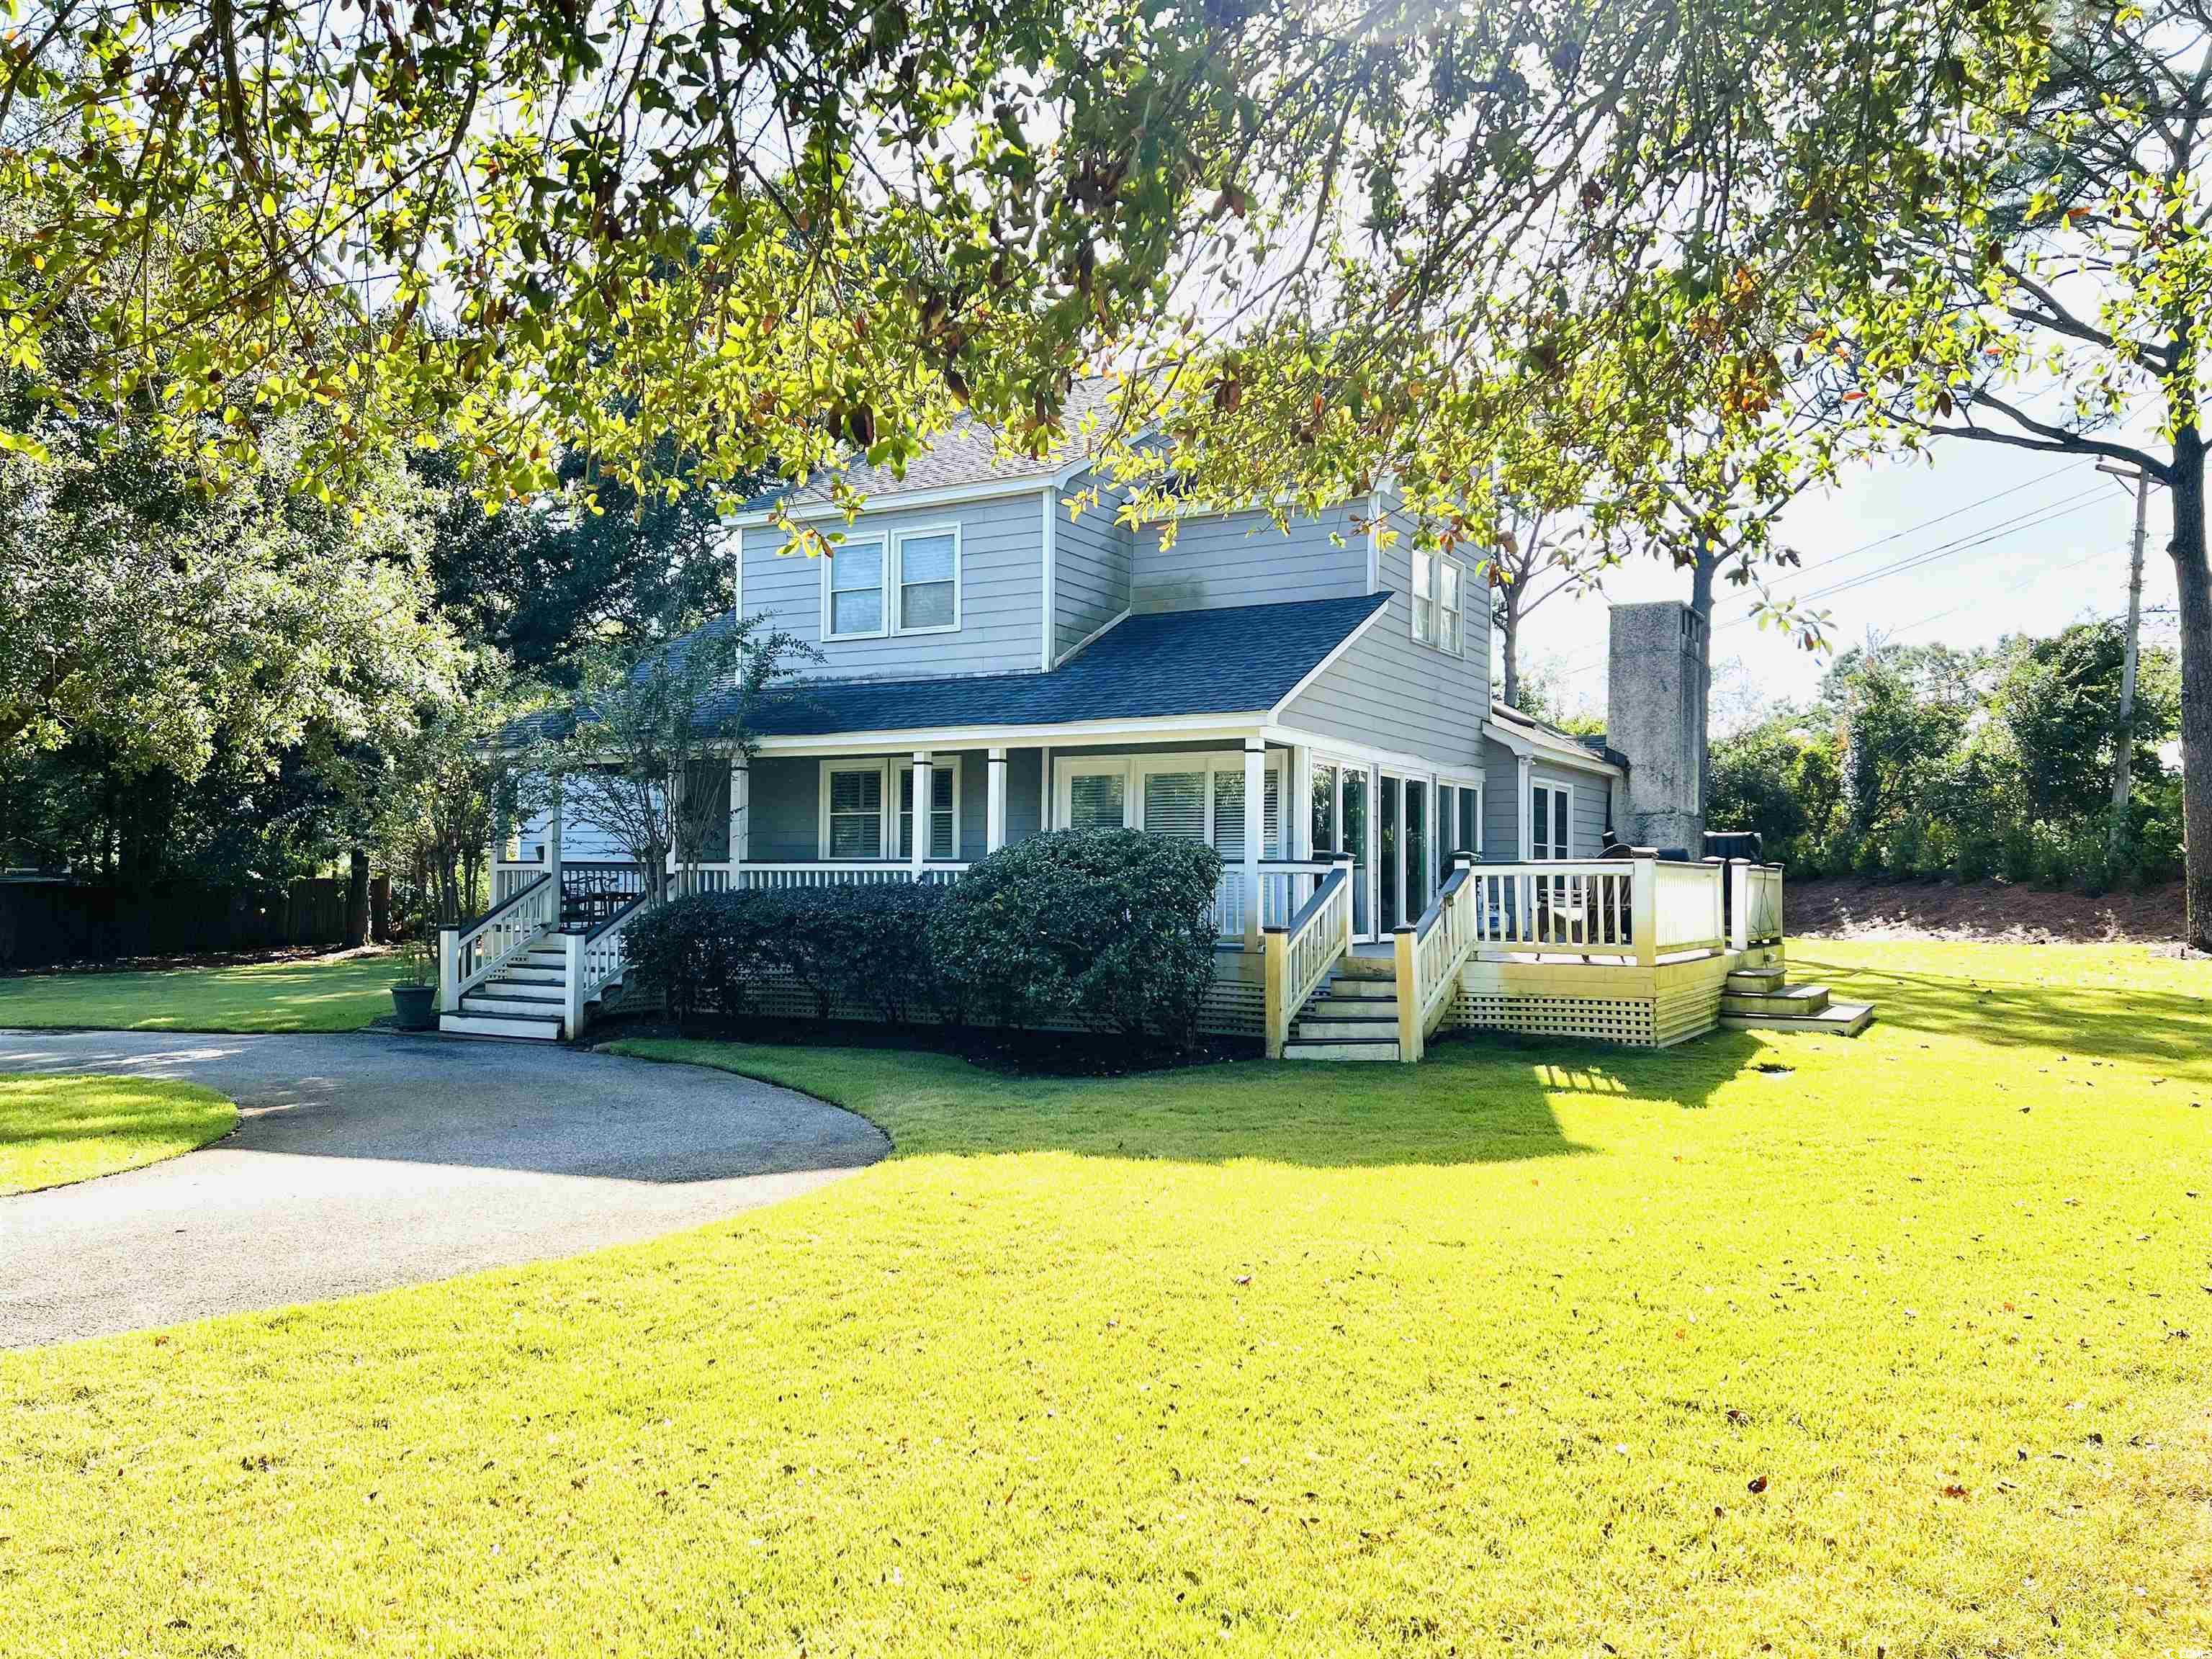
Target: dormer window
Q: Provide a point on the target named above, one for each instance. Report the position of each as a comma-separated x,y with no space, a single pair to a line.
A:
907,582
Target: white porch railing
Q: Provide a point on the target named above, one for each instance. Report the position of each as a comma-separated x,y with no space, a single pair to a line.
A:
1285,884
1632,910
470,953
1754,904
1301,952
1429,955
597,959
836,872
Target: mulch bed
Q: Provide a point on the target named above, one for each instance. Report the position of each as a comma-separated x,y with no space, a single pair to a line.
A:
1856,907
1017,1054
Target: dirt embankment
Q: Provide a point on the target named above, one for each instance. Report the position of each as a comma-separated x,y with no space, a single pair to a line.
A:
1852,907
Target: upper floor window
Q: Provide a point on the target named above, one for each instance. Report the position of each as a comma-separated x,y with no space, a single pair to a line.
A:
905,583
853,590
1438,587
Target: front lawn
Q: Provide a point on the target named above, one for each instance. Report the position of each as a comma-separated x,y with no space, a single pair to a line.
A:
1897,1347
59,1129
315,993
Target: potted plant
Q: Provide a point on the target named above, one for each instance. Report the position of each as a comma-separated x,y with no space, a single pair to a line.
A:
414,997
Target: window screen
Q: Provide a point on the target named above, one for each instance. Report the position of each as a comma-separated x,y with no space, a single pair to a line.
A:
928,574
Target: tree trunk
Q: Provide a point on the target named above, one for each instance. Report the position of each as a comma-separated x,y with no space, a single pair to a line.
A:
356,913
1509,634
1701,605
2194,579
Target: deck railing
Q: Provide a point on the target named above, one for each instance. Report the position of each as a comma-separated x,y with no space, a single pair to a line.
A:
1285,885
471,952
597,958
1301,952
1431,953
1631,910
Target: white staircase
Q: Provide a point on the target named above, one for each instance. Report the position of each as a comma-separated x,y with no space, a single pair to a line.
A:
526,997
1353,1015
1755,999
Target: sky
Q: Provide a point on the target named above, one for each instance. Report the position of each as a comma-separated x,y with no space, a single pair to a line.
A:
2050,549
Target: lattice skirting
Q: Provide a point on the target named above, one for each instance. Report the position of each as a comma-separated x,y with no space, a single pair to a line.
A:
1232,1007
1607,1019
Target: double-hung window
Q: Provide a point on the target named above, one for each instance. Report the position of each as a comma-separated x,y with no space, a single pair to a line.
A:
853,590
906,582
853,820
1439,600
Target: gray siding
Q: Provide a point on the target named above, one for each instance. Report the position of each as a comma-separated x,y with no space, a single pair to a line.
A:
1002,592
1242,558
1092,561
1390,692
1502,804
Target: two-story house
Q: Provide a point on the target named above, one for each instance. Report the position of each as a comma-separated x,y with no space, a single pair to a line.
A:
1313,702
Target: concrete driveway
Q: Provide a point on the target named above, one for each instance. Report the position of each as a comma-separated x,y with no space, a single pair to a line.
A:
369,1161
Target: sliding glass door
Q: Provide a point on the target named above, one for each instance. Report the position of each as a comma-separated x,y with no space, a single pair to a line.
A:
1339,824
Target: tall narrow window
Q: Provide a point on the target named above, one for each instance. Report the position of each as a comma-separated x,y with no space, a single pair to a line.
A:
1448,604
1229,816
856,589
1438,585
856,814
929,582
1425,609
1550,821
1417,848
1387,850
1324,812
944,818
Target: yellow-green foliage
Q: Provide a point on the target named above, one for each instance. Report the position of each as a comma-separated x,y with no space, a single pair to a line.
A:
327,994
1256,1360
58,1129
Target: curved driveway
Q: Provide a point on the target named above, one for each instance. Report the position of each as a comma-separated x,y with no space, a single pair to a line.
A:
368,1161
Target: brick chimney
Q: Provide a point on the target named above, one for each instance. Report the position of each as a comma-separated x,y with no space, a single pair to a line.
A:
1655,715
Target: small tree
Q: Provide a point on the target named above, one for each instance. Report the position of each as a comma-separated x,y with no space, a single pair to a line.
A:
629,751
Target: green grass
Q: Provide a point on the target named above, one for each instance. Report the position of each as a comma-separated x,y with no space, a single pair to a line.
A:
322,994
1484,1356
58,1129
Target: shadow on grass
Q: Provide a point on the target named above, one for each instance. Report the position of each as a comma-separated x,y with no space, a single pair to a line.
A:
2106,1024
1478,1099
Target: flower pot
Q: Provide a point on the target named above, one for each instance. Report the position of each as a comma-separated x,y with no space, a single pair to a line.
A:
415,1007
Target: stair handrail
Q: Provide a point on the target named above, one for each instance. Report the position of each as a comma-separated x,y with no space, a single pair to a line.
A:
470,952
1431,952
597,958
1300,954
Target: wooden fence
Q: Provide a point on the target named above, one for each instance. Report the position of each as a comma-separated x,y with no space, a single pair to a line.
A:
45,923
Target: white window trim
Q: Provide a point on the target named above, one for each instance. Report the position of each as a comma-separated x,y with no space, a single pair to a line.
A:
937,763
895,567
887,811
1556,854
1133,768
1436,561
883,588
887,768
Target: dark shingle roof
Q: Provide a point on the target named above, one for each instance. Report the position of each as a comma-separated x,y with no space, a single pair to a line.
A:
966,453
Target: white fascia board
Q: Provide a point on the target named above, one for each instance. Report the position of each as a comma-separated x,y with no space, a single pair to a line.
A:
1390,760
1336,652
1067,734
1531,744
898,501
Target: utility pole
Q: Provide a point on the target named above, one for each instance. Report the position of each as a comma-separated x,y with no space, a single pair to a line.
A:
2123,745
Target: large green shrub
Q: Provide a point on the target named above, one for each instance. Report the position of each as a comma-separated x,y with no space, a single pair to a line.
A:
1112,927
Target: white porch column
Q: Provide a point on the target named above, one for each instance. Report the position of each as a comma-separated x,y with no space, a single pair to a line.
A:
921,810
560,811
741,801
994,801
1044,790
1255,827
1521,809
1297,811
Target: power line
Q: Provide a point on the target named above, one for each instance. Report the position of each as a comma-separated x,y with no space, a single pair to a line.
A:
2034,576
1943,517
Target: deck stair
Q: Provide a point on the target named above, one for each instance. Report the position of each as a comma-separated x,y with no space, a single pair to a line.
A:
1353,1016
524,998
1758,999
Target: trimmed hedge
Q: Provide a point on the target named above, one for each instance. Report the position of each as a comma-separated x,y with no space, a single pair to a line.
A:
1107,926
